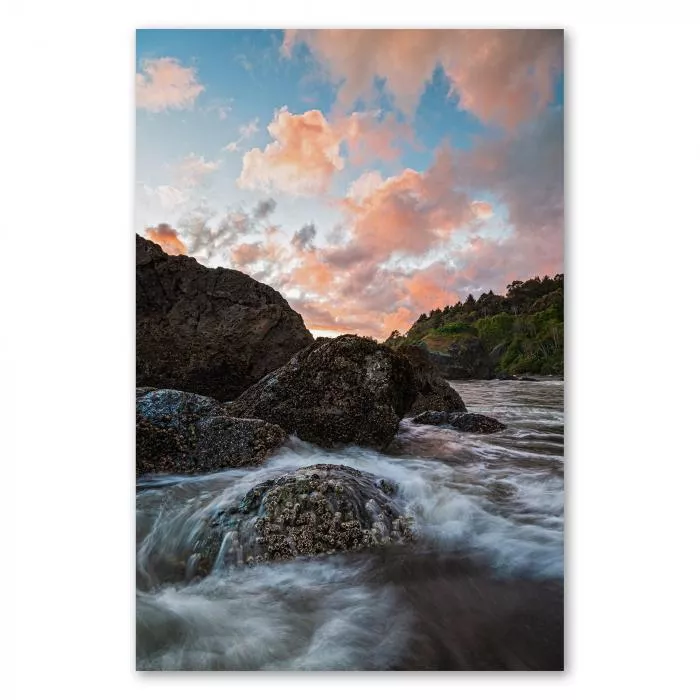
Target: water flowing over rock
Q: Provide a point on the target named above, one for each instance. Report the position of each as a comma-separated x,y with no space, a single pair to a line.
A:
214,332
433,392
341,390
179,432
321,509
461,420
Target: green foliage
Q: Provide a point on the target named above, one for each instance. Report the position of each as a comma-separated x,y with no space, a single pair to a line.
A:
453,328
522,331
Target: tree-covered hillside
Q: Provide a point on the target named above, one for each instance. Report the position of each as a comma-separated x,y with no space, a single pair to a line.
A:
519,333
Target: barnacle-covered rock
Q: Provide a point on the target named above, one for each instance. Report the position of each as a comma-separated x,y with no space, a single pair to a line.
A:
314,510
179,432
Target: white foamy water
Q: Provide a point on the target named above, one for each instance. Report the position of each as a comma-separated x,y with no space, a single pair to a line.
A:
497,497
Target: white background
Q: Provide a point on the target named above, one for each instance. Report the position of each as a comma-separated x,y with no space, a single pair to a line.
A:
67,343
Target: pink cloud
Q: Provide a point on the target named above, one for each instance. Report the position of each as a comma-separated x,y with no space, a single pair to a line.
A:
370,139
503,75
408,213
302,158
164,84
482,210
248,253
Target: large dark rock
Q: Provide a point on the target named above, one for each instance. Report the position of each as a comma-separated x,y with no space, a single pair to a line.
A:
178,432
341,390
210,331
461,420
314,510
433,392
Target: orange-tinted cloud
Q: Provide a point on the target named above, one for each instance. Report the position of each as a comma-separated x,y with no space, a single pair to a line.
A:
503,76
165,84
246,254
305,152
482,210
409,213
167,238
304,155
370,139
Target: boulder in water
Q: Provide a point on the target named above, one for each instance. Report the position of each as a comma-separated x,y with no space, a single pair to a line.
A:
314,510
209,331
186,433
460,420
340,390
433,393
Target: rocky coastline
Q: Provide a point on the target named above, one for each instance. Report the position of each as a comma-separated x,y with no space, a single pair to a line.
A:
227,374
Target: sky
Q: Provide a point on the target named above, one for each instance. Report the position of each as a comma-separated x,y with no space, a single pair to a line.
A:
367,175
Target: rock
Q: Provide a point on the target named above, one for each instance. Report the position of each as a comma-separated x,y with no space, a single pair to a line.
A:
179,432
209,331
461,420
314,510
433,392
340,390
464,357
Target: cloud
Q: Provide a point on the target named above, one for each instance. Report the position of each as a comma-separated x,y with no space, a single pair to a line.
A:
193,170
303,238
210,236
305,152
302,158
504,76
167,238
526,174
164,196
482,210
249,129
368,138
244,132
164,84
264,208
247,253
408,213
364,185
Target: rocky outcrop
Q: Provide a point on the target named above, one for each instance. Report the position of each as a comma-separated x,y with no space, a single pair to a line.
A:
209,331
464,357
179,432
321,509
433,392
466,422
341,390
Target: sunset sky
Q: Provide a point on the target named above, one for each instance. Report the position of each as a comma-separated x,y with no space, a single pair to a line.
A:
368,175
